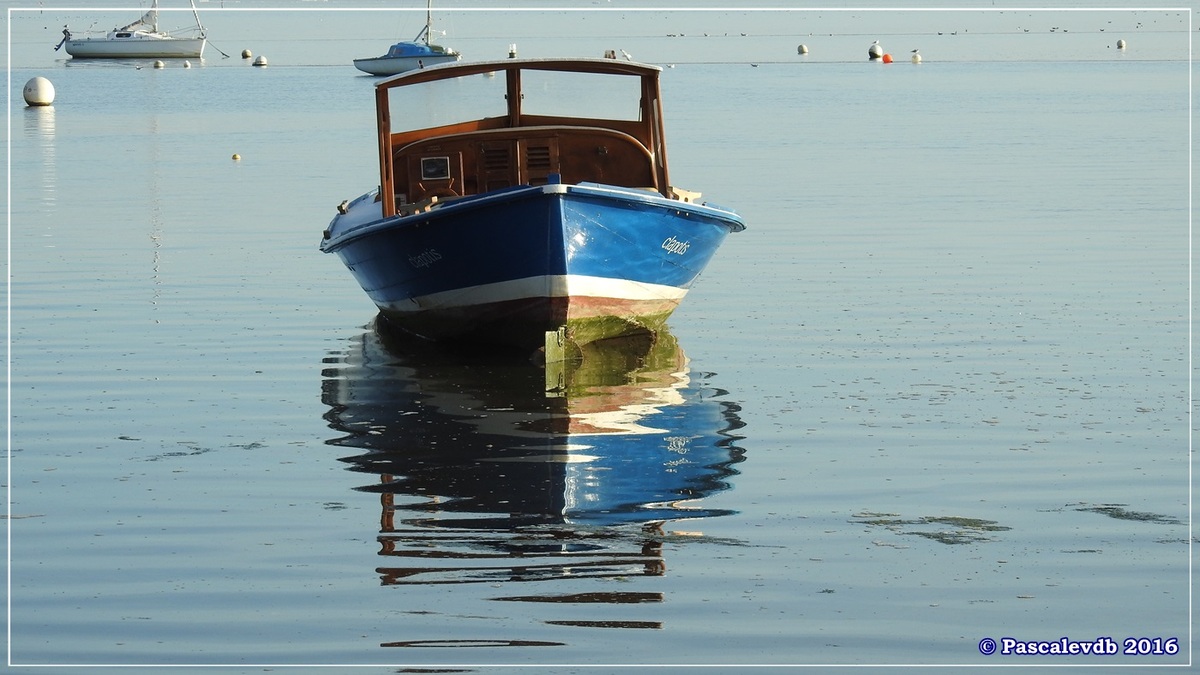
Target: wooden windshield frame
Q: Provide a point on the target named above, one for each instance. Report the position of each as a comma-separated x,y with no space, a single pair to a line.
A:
648,129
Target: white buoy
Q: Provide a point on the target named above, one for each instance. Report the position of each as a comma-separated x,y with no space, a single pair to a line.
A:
187,64
1120,44
246,53
159,64
39,91
802,49
236,157
875,52
260,61
512,51
916,58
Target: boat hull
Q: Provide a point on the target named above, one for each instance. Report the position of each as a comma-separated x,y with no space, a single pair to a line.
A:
135,47
394,65
506,267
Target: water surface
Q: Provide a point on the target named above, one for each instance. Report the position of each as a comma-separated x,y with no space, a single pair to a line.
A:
936,392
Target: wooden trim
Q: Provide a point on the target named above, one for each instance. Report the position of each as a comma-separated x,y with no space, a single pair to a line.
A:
647,131
460,69
386,173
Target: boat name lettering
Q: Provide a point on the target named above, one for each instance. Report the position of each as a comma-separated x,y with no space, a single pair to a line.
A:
425,259
673,245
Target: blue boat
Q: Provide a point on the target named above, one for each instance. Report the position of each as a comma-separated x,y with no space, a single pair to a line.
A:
501,218
420,52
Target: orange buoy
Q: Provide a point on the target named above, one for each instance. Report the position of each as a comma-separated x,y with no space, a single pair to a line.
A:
887,58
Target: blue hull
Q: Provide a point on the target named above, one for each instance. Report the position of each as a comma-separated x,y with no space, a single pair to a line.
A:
510,265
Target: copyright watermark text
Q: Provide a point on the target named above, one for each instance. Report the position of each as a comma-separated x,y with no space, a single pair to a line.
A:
1101,646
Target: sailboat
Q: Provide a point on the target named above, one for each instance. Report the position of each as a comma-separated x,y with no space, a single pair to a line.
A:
405,56
140,39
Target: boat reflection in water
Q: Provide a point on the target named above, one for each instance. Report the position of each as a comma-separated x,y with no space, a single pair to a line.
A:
487,476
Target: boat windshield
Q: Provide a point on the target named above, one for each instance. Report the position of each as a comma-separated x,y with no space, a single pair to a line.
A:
584,95
444,102
440,103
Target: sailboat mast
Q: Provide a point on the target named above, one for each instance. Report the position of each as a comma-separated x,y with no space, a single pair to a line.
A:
197,15
428,19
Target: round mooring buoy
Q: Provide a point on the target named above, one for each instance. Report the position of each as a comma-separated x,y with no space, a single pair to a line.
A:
246,53
39,91
802,49
875,52
236,157
1120,44
159,64
916,56
887,58
260,61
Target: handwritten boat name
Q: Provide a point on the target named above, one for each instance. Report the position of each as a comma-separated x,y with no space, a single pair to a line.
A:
424,259
673,245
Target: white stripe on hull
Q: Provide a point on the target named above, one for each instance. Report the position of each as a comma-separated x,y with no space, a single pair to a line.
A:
559,286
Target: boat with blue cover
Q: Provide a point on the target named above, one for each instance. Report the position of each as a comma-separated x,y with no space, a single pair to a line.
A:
503,218
420,52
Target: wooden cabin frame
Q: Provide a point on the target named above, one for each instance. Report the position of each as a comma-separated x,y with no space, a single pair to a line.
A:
418,167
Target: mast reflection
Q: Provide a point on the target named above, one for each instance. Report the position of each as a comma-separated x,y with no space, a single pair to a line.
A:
485,475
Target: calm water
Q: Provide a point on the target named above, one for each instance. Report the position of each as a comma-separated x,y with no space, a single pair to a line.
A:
937,392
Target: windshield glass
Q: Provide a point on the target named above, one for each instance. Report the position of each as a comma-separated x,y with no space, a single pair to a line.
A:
583,95
544,93
444,102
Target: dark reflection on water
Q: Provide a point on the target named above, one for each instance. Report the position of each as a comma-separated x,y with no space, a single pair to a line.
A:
486,476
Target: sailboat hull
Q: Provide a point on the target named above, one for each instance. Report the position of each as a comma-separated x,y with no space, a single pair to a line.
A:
394,65
134,46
